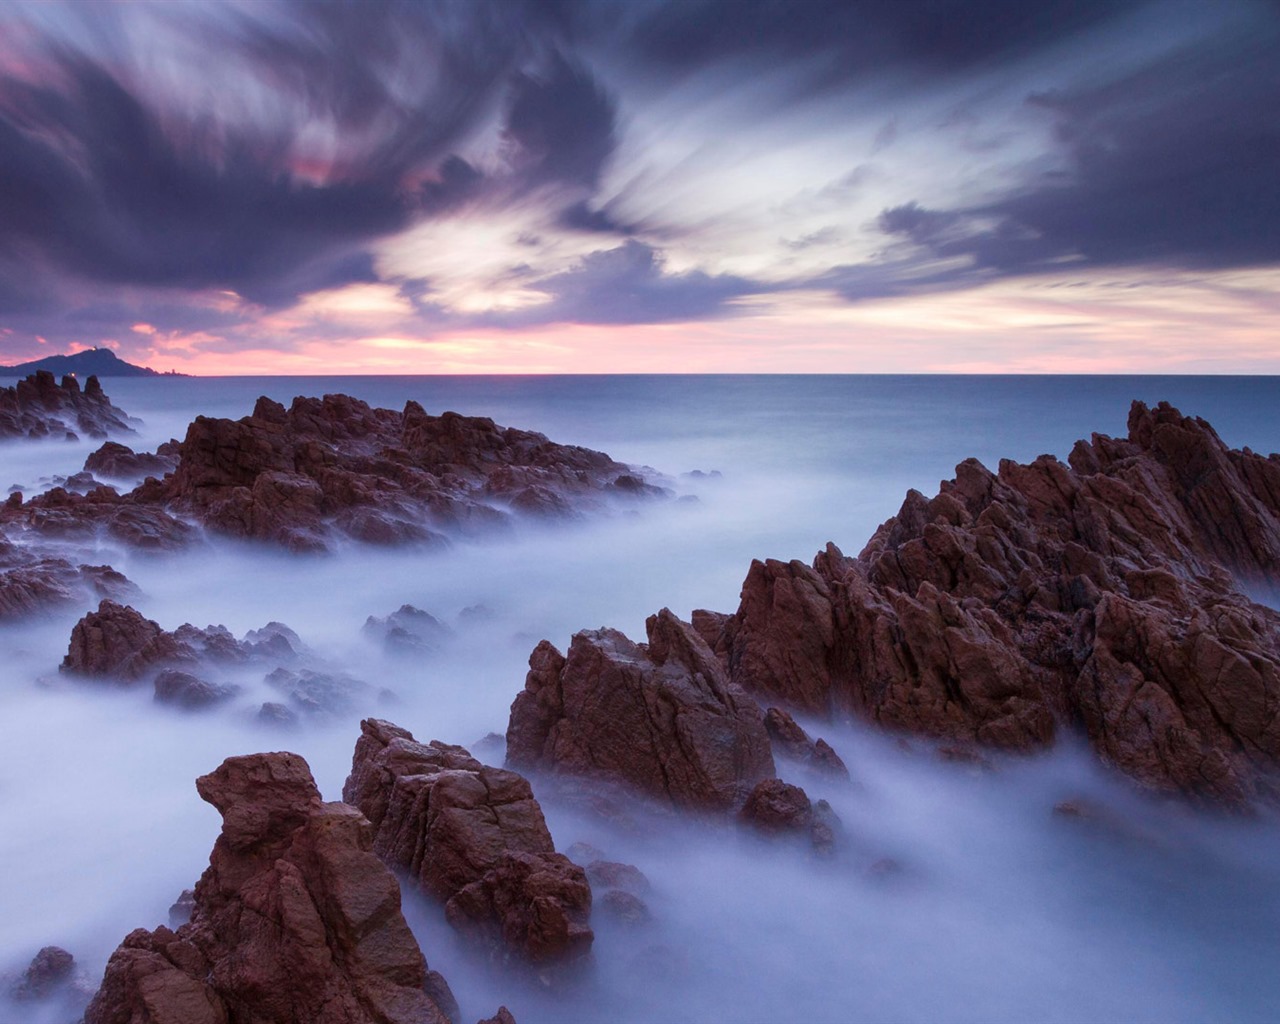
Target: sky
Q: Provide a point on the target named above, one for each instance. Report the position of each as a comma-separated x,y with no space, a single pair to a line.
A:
618,186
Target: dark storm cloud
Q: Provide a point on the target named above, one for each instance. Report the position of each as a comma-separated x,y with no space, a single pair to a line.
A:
841,40
630,284
561,125
1174,165
104,180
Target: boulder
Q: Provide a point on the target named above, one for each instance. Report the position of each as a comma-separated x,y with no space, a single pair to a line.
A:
662,717
295,919
474,838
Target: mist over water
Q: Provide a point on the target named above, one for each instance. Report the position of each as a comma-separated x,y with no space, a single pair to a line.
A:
959,895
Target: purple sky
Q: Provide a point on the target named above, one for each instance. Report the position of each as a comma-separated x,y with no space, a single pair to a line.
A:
643,185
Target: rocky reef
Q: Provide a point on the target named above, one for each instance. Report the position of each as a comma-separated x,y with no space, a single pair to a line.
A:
295,919
334,468
39,406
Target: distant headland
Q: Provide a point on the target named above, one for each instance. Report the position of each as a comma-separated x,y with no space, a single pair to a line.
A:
101,362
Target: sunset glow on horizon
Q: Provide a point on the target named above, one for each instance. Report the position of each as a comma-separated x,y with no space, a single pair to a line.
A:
989,187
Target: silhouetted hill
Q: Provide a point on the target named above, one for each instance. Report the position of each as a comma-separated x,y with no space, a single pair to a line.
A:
100,361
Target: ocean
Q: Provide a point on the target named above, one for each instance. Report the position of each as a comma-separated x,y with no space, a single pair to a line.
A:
961,896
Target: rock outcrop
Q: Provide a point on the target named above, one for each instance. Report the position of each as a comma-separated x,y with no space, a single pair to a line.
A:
1107,594
120,462
334,468
39,406
30,584
473,837
295,919
662,717
198,667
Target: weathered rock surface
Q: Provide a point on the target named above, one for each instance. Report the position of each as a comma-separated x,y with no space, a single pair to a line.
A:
295,920
336,466
121,462
39,406
777,808
117,643
792,742
503,1016
473,837
333,468
662,717
30,584
50,970
1105,595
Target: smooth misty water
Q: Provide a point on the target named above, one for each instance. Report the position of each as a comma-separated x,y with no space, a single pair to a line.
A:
999,911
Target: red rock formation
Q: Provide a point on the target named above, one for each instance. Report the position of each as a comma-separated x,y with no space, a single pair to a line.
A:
30,584
121,462
331,468
118,642
1015,603
473,837
336,465
661,716
38,406
791,741
294,920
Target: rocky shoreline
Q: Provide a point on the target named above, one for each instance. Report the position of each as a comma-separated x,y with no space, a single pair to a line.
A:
1106,598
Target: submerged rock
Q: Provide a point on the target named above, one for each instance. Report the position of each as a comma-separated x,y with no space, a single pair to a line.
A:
473,837
1013,604
295,919
409,631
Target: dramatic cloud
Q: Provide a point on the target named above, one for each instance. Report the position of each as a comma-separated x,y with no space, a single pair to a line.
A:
379,172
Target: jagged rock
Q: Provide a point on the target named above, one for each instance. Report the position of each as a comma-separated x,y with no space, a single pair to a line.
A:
408,630
776,808
29,585
38,407
335,465
120,462
182,908
791,741
662,716
473,837
184,690
50,969
1107,593
295,919
118,642
325,470
503,1016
